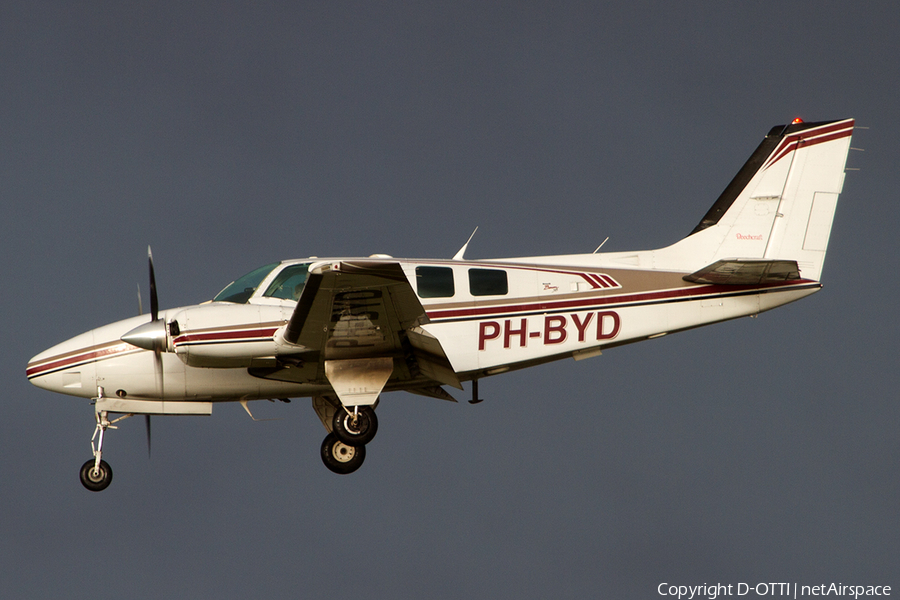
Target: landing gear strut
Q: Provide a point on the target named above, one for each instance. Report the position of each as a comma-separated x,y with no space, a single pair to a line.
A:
96,474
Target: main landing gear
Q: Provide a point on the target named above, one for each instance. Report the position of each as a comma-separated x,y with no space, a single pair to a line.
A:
356,425
341,458
350,428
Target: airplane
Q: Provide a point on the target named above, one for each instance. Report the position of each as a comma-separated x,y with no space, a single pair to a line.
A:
344,330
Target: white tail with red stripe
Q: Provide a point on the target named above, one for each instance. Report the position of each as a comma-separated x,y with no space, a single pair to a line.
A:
780,205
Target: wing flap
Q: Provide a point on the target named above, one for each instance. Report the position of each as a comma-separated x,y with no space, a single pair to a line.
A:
435,391
433,362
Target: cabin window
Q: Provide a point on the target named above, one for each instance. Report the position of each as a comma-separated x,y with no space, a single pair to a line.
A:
434,282
488,282
288,284
239,291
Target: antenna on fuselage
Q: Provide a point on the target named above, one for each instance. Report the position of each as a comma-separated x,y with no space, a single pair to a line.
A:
601,245
475,399
462,251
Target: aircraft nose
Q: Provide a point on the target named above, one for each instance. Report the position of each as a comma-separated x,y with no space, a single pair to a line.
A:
73,366
65,367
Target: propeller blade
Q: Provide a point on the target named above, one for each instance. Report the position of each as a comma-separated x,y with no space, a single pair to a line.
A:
160,332
158,364
154,302
147,422
152,335
140,304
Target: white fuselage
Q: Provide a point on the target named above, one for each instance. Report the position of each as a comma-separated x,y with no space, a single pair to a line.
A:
506,315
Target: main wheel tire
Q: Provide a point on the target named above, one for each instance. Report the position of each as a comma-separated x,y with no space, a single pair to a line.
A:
341,458
96,482
355,434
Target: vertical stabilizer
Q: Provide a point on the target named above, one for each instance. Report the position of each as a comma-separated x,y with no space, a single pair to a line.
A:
779,206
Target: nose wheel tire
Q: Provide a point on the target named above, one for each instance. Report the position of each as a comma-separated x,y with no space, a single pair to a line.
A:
96,480
339,457
356,427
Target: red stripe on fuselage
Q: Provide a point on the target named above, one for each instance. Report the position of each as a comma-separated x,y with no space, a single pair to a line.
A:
245,335
71,359
692,292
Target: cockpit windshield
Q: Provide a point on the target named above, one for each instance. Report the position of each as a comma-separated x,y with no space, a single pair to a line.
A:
288,284
241,290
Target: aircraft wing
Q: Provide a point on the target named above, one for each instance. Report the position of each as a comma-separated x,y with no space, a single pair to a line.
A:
351,312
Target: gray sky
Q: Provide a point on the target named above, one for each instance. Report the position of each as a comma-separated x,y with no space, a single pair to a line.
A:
227,136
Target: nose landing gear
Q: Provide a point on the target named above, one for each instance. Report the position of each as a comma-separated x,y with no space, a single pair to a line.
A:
96,477
96,474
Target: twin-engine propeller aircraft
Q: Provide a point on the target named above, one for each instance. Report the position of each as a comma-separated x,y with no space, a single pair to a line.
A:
344,330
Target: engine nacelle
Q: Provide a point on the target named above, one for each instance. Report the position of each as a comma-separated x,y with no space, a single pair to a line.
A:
222,334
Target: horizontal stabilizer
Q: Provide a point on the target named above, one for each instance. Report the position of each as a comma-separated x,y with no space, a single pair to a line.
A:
746,272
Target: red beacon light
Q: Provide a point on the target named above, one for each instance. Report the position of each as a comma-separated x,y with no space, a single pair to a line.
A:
797,120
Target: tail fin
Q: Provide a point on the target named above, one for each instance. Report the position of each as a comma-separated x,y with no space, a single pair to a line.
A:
779,206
